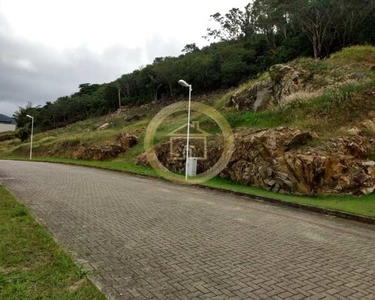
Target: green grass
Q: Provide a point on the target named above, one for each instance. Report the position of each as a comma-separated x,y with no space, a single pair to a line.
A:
327,112
32,265
312,65
355,53
363,206
368,133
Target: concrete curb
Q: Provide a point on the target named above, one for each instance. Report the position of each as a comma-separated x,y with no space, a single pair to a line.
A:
325,211
330,212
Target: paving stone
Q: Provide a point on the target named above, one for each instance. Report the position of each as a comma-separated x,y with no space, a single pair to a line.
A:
147,239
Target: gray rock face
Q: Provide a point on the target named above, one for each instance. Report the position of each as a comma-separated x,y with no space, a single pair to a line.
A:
275,160
263,100
283,81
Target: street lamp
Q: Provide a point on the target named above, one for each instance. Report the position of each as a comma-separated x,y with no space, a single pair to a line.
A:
32,133
185,84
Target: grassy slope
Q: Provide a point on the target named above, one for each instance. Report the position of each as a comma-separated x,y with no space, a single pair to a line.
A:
32,265
325,114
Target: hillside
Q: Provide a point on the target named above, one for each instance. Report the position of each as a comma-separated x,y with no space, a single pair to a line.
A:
243,43
306,127
6,119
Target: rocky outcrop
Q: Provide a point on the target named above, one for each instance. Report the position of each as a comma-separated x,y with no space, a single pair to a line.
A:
175,162
282,82
106,152
286,83
283,160
109,151
127,140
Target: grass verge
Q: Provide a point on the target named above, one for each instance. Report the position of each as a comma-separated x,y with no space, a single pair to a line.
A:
361,206
32,265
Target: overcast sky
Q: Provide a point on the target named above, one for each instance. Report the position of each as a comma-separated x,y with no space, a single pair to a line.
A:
47,48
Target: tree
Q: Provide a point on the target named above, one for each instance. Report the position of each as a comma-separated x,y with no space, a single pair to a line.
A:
87,88
23,134
264,23
20,116
190,48
315,18
233,25
199,69
167,73
348,18
110,98
327,22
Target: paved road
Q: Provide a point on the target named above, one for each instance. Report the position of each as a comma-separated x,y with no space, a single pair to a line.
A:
146,239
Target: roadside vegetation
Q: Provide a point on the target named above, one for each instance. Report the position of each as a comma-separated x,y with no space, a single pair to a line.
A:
326,114
32,265
336,94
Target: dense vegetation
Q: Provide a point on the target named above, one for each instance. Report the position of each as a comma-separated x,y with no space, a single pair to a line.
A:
245,43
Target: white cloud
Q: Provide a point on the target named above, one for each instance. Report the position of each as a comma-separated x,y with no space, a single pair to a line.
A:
25,64
49,47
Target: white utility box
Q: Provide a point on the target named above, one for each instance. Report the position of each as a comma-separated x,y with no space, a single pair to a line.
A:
192,166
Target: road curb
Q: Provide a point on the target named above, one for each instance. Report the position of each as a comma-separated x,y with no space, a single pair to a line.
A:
325,211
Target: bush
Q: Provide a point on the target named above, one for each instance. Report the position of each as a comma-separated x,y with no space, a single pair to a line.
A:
23,134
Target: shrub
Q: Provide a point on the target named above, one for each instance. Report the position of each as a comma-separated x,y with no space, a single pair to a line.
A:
23,134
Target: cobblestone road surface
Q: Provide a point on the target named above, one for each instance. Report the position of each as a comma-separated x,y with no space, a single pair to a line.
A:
147,239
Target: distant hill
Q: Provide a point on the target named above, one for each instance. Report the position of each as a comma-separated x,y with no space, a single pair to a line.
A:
6,119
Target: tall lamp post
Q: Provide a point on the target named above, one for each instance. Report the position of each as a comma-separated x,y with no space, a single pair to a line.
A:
31,138
185,84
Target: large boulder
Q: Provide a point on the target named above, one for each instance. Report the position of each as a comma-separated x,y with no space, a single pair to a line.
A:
127,140
283,81
258,97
